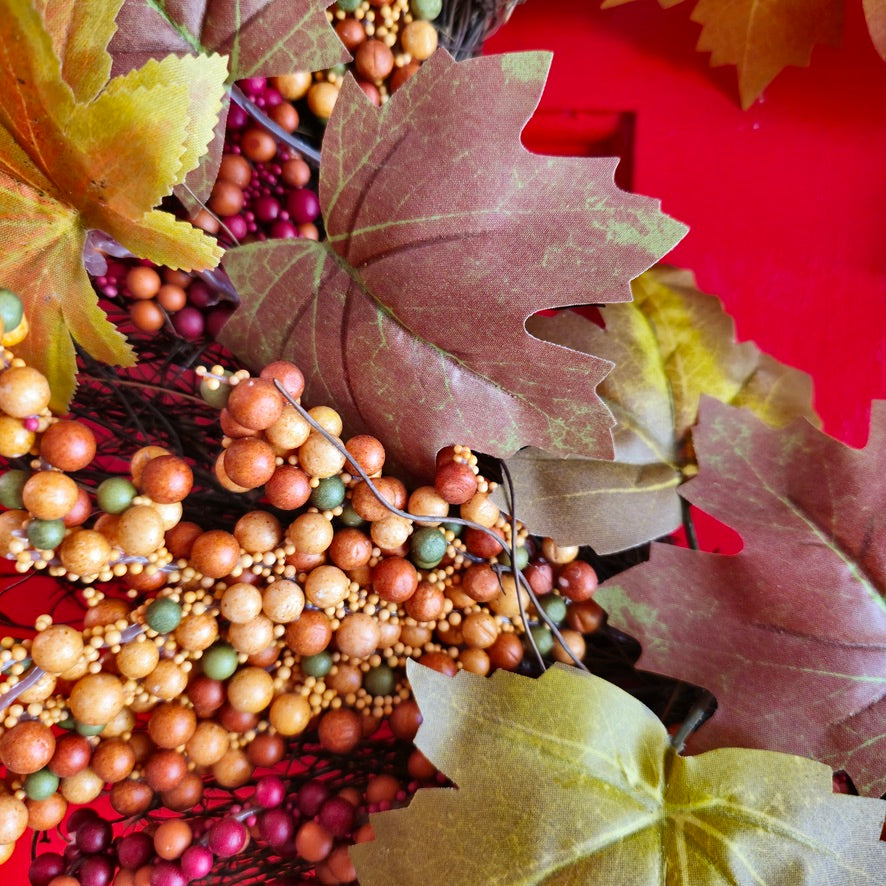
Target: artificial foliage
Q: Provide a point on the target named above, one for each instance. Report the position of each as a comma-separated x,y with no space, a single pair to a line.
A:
569,780
439,273
69,140
875,13
259,38
762,38
224,590
669,346
789,634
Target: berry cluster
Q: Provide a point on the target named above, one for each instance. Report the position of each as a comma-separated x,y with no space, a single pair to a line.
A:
264,187
228,643
389,40
293,823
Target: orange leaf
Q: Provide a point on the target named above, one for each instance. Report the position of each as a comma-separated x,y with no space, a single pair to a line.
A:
761,37
79,152
875,13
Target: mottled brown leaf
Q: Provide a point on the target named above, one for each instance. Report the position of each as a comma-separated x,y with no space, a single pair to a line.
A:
672,344
790,634
444,235
260,37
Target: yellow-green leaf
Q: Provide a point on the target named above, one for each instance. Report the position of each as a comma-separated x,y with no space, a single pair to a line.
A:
569,781
75,155
670,345
260,37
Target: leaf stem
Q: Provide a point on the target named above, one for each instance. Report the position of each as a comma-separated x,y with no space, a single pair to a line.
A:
698,713
688,524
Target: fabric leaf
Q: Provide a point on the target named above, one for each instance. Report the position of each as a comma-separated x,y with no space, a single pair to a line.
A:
569,780
409,318
875,13
672,344
67,166
260,37
80,33
790,634
761,37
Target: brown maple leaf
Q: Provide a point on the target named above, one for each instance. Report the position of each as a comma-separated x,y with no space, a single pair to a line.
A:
875,13
444,236
790,634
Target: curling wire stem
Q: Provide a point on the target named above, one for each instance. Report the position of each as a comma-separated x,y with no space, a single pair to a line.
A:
425,518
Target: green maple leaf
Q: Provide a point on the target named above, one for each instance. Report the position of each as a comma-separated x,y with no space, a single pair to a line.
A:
444,235
81,152
670,345
789,634
761,37
568,781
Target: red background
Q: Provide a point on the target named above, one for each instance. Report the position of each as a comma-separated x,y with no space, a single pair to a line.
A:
784,200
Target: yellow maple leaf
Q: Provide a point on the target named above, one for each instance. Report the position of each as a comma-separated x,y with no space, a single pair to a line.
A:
80,152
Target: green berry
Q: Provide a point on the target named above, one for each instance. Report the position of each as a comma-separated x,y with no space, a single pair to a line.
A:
380,680
554,607
219,661
428,545
115,495
522,557
329,494
454,528
318,665
88,729
46,535
350,517
11,485
544,639
216,395
163,615
349,5
11,310
426,9
41,785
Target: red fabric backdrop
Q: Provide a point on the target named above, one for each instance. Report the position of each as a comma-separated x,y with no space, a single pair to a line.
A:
784,200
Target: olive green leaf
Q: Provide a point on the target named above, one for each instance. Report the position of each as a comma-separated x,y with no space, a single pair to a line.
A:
569,781
672,344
